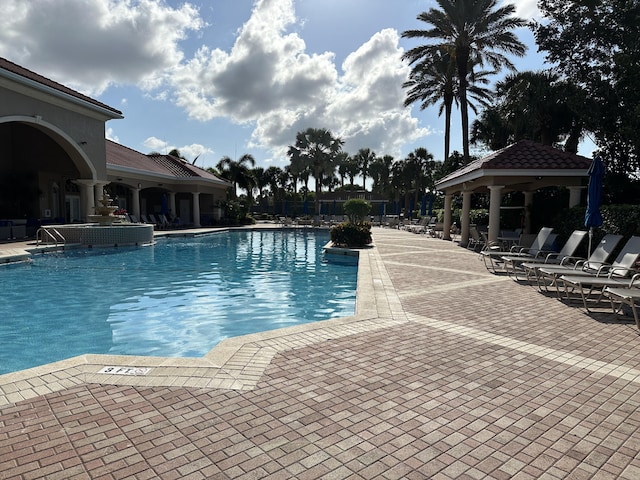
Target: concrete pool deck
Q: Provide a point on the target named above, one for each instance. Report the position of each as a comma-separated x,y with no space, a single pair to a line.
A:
446,371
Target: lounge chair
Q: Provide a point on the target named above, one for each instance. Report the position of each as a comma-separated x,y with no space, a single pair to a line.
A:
421,226
476,242
492,256
548,275
513,265
625,296
591,285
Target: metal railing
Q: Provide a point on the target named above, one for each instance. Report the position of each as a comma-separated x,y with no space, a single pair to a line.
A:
51,234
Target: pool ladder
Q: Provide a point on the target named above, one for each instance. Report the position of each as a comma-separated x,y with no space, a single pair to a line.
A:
49,234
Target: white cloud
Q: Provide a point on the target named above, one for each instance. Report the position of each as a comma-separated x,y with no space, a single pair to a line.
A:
268,80
527,9
108,133
92,44
193,151
189,152
155,144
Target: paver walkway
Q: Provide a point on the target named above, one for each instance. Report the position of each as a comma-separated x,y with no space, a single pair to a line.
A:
448,372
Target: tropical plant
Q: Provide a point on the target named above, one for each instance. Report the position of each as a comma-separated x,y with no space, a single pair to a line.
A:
595,47
434,81
316,148
474,32
237,172
348,234
363,159
357,210
535,106
380,172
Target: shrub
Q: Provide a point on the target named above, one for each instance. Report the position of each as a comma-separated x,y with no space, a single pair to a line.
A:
357,210
349,234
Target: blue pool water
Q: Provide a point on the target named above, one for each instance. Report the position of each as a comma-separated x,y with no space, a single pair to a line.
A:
179,297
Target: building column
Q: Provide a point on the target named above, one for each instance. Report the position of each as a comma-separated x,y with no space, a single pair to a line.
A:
87,200
446,226
98,192
574,196
528,205
196,209
465,219
495,198
135,201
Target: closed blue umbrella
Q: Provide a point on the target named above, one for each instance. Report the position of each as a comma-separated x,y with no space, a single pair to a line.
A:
164,205
423,206
592,217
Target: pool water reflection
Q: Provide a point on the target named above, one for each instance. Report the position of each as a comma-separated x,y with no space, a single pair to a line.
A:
178,298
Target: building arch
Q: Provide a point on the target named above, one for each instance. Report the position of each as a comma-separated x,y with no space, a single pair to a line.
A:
79,158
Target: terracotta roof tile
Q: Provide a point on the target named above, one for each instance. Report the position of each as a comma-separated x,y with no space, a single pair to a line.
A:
28,74
525,155
119,155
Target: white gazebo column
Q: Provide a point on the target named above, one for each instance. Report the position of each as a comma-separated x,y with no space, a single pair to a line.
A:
495,198
87,200
135,201
446,226
465,219
528,205
574,196
196,209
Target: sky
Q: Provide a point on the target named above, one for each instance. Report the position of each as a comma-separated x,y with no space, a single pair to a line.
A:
216,78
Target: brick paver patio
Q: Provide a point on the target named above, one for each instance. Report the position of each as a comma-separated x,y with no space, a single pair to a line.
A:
447,372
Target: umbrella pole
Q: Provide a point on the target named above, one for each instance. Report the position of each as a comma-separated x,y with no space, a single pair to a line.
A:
590,240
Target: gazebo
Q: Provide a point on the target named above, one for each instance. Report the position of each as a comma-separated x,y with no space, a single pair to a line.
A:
524,166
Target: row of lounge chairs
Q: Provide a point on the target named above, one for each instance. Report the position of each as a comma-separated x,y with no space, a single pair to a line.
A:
160,222
426,225
592,280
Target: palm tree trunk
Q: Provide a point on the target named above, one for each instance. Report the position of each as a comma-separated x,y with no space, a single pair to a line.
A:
462,61
447,129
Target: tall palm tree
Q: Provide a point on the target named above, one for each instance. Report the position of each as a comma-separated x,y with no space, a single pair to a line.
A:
317,148
469,29
237,171
380,172
259,179
431,81
364,158
351,168
434,80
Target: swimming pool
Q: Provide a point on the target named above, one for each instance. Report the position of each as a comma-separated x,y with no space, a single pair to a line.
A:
179,297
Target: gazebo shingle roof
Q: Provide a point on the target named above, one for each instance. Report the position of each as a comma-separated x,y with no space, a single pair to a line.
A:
525,155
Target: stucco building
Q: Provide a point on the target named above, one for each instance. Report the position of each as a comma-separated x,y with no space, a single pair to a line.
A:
55,160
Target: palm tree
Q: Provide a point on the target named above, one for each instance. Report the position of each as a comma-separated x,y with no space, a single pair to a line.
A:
431,81
470,30
259,180
380,172
364,158
351,168
535,106
318,149
237,171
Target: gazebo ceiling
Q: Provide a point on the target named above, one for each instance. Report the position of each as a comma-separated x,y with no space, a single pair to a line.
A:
522,166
